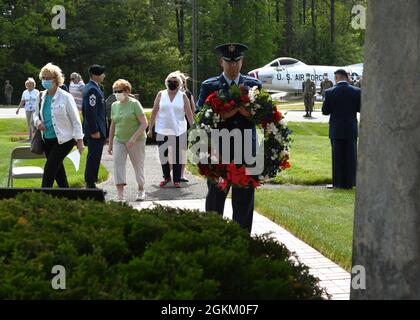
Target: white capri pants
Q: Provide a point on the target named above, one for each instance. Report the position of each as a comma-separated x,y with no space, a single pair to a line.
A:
136,154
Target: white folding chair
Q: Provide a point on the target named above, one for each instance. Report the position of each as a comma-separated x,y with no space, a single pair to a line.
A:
23,172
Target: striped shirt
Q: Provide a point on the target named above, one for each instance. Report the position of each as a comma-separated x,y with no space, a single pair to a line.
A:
76,90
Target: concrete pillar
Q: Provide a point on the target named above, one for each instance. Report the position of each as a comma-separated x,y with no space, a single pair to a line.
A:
387,221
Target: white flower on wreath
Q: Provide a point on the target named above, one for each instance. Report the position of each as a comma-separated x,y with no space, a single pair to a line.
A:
253,93
214,159
284,153
272,128
208,113
204,155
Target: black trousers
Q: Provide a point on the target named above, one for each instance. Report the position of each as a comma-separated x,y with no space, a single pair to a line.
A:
242,204
177,144
344,162
93,161
54,168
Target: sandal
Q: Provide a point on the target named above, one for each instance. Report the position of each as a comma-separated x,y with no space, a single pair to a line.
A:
177,185
164,182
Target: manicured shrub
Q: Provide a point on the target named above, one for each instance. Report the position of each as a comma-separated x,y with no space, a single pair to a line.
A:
111,251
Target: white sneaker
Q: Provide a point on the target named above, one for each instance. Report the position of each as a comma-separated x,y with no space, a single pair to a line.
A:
141,195
118,198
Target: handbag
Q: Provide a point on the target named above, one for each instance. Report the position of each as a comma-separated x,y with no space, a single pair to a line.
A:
37,145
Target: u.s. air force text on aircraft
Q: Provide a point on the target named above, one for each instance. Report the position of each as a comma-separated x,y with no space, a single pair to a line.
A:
298,77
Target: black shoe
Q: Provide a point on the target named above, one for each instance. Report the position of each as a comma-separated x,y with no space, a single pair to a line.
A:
184,180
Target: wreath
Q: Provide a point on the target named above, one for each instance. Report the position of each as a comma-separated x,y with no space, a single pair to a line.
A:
264,115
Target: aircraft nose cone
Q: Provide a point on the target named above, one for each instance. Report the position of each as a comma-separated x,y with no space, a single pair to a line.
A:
253,74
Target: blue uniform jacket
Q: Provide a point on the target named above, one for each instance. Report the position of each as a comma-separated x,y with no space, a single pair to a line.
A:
94,110
343,103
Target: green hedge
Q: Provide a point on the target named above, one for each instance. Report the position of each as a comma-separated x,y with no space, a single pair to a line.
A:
111,251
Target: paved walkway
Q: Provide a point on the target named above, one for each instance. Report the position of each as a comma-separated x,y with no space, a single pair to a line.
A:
335,279
195,189
10,113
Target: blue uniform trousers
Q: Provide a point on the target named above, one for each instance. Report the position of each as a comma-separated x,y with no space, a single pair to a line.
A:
344,159
242,204
93,161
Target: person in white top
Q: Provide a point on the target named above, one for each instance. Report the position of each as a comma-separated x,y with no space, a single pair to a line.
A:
170,108
76,89
29,98
57,117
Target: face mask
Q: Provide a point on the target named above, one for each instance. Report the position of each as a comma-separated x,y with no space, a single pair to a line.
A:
172,85
47,84
120,97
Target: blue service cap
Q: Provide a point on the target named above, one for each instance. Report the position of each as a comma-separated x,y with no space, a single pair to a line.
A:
231,51
96,69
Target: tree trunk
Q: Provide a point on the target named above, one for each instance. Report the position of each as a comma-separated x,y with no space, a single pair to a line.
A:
179,12
288,31
304,11
386,241
332,22
314,33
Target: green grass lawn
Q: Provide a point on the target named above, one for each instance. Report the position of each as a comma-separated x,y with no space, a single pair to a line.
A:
320,217
310,156
13,128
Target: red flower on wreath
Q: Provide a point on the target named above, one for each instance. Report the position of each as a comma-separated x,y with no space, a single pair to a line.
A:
204,170
277,116
223,184
245,99
211,97
238,176
285,165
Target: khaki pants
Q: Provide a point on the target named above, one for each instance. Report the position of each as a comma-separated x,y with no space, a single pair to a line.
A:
30,123
136,154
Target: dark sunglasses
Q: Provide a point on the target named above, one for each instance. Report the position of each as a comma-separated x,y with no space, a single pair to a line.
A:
118,91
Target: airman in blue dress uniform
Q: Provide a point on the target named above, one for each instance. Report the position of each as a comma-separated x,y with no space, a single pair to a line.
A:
94,123
342,103
231,62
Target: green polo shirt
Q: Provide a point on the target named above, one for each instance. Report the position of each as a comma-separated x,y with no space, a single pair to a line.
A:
125,116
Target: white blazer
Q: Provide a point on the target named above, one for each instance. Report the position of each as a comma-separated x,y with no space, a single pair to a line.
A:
64,114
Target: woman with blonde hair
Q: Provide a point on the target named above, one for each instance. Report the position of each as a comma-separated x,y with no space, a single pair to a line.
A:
127,137
170,108
29,99
57,117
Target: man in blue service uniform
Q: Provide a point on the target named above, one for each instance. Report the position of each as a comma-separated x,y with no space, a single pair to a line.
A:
94,123
242,199
343,102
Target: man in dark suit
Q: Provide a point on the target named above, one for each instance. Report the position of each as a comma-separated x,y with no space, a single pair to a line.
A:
343,102
94,123
242,199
